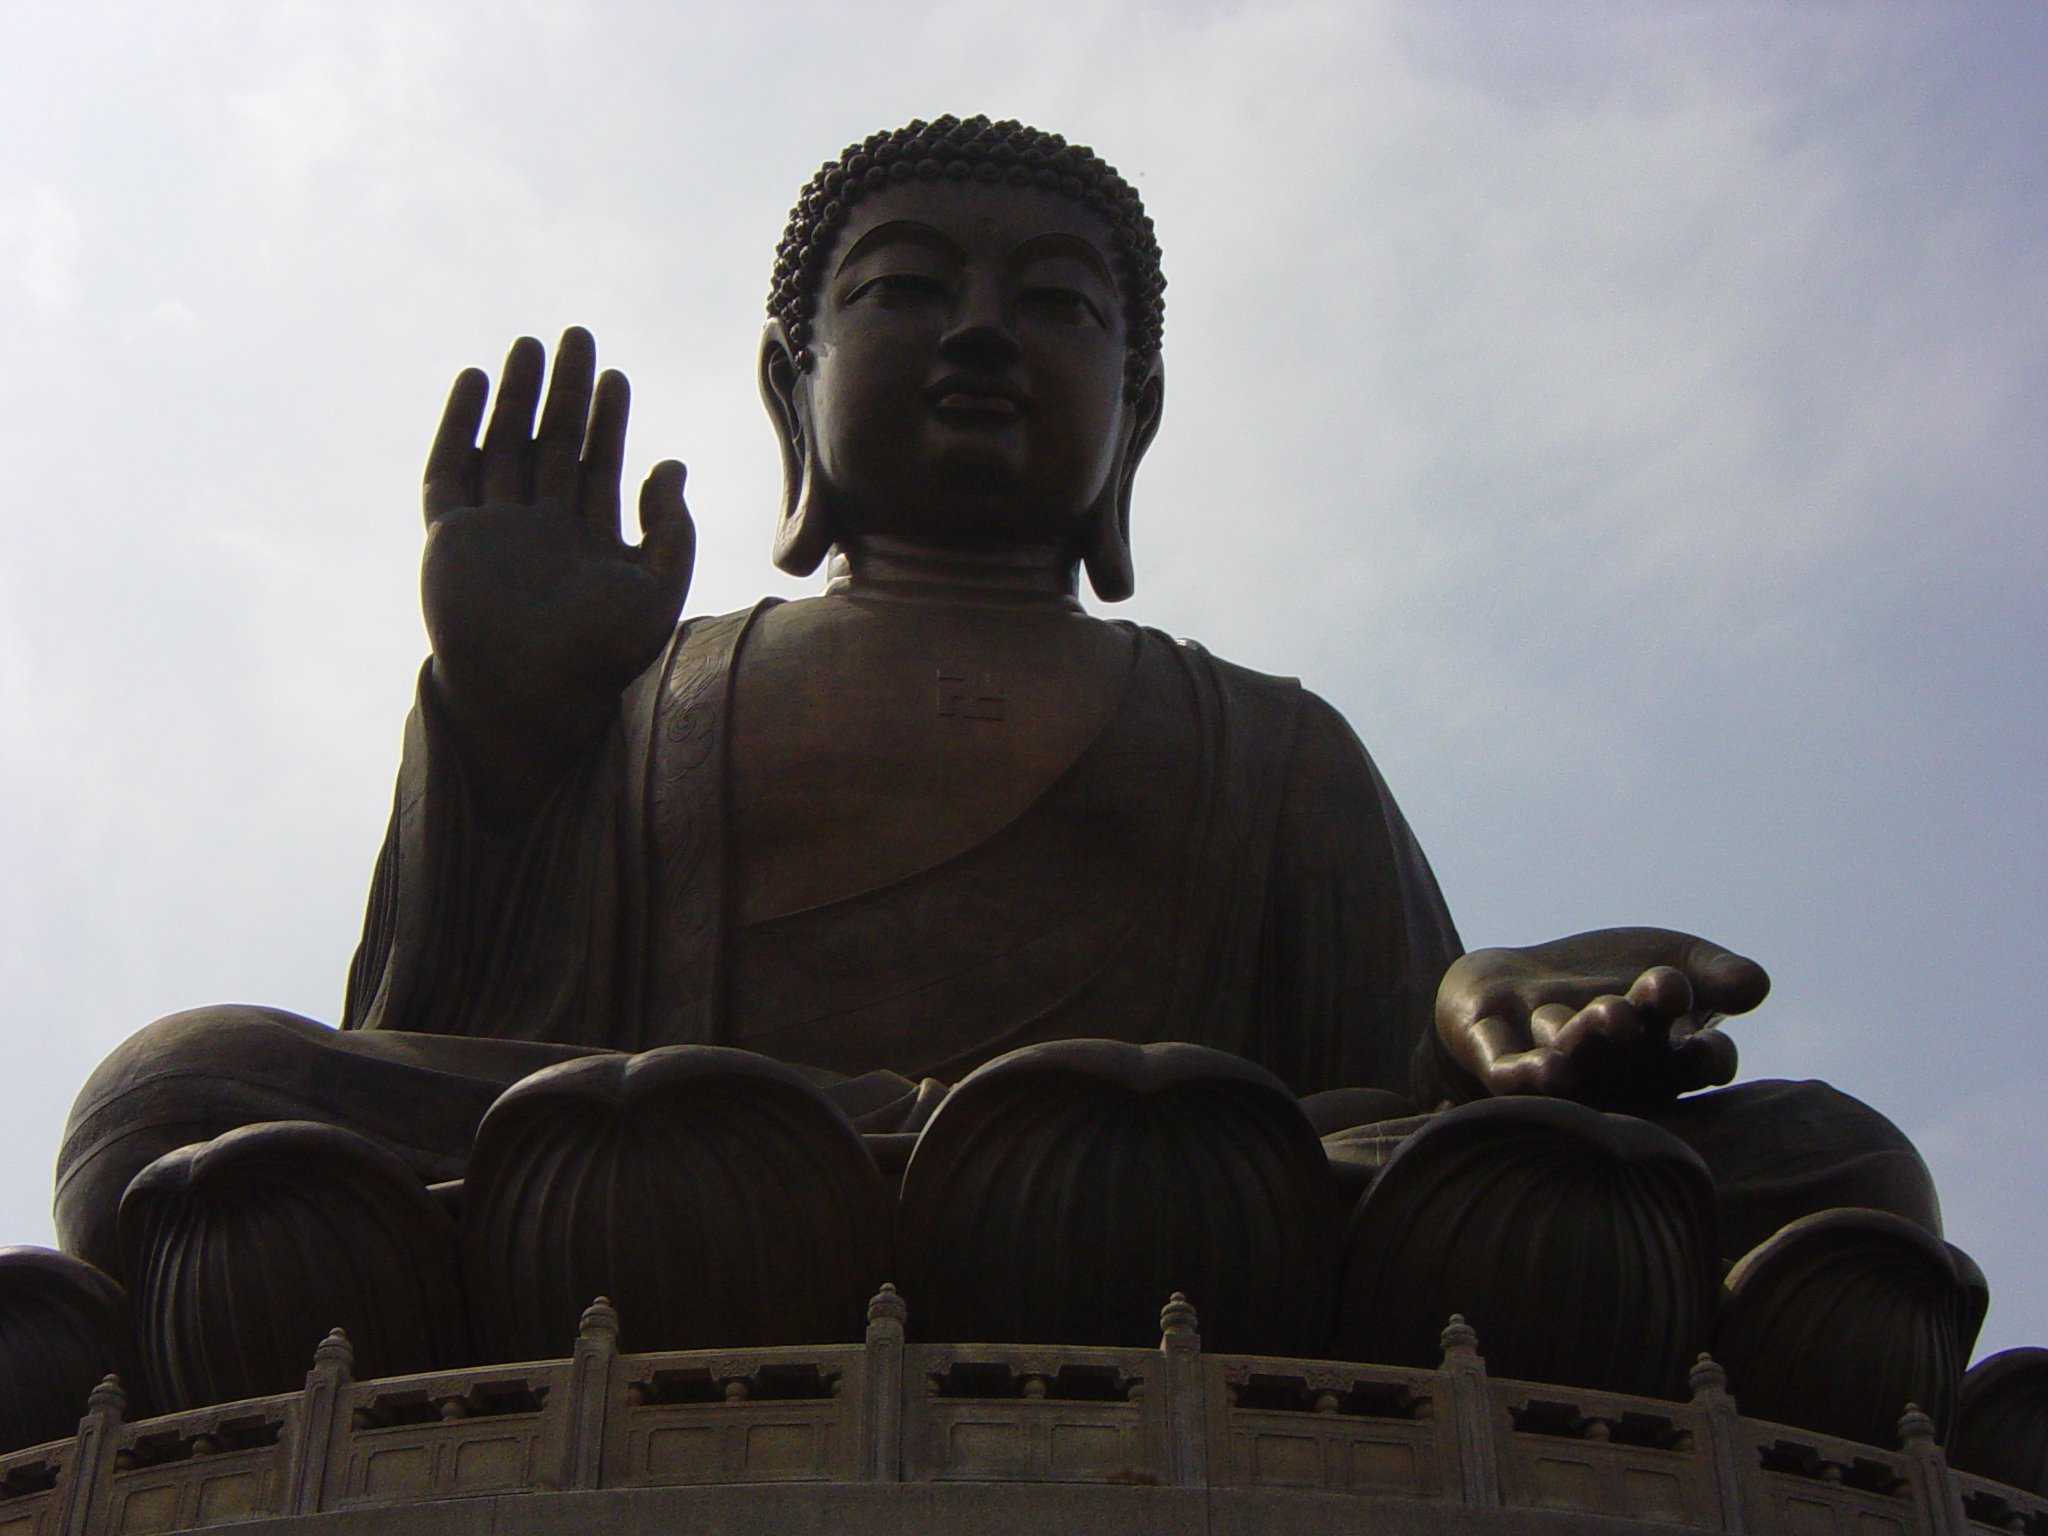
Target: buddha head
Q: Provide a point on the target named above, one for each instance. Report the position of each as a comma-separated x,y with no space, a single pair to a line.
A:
963,349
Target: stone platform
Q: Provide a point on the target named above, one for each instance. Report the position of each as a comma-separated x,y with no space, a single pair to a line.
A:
952,1439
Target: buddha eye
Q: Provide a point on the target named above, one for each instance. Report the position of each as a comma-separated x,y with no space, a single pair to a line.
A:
901,290
1064,306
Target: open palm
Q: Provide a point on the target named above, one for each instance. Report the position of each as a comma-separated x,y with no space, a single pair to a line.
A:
538,611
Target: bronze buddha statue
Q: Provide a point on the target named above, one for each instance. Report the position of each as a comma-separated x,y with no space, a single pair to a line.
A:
937,818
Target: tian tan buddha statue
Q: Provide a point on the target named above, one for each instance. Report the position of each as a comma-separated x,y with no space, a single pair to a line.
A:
930,930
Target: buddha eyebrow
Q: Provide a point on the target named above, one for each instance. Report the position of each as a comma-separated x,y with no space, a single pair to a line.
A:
905,230
1060,243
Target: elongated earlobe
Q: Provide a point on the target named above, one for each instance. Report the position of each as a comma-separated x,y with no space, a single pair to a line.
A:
804,536
1107,553
804,533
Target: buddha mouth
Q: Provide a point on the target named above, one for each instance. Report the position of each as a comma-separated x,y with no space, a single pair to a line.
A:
970,401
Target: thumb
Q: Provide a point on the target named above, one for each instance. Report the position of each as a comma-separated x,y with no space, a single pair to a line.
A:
1723,981
668,538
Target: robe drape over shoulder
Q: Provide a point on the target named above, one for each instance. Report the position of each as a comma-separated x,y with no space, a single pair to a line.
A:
1221,864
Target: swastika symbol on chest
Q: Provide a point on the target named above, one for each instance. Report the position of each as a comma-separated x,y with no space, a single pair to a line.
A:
968,695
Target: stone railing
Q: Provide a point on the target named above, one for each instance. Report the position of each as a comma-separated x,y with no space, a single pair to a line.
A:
887,1411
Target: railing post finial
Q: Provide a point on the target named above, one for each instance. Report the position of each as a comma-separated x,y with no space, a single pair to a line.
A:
83,1481
1459,1340
1182,1375
321,1422
1916,1430
335,1350
881,1428
1707,1378
589,1395
1179,1327
1940,1497
886,1306
1469,1423
108,1397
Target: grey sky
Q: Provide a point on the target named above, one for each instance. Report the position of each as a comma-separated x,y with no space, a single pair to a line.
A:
1631,415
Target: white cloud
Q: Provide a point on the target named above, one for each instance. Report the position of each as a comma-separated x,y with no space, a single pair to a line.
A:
39,246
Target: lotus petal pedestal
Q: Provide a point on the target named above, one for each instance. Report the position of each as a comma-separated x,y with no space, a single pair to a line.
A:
1580,1245
715,1195
63,1327
1844,1318
1062,1189
247,1250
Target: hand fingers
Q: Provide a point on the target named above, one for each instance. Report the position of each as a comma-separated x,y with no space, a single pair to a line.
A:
1539,1072
1662,990
1498,1051
509,440
668,538
558,441
1705,1060
1548,1021
604,450
1481,1043
1489,1039
1662,998
1496,999
1723,981
1610,1020
452,461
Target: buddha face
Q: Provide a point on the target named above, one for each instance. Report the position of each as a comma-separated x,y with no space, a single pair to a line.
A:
967,385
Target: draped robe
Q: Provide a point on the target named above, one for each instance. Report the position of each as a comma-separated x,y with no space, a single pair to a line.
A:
1221,864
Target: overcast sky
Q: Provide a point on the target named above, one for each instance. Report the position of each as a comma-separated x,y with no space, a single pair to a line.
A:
1631,415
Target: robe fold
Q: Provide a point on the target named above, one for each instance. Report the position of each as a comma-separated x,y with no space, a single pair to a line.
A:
1221,864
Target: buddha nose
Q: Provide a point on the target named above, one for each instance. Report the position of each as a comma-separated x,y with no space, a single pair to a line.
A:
981,335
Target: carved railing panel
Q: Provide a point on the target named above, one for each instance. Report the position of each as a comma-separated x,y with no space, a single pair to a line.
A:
1989,1506
447,1434
208,1467
28,1488
1602,1453
1312,1424
886,1411
723,1416
995,1413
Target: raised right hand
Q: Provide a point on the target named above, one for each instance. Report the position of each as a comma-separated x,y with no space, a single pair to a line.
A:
538,612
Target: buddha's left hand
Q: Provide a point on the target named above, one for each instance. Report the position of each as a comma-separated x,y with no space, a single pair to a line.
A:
1616,1018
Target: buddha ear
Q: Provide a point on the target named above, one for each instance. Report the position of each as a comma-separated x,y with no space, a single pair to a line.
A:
803,534
1107,553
